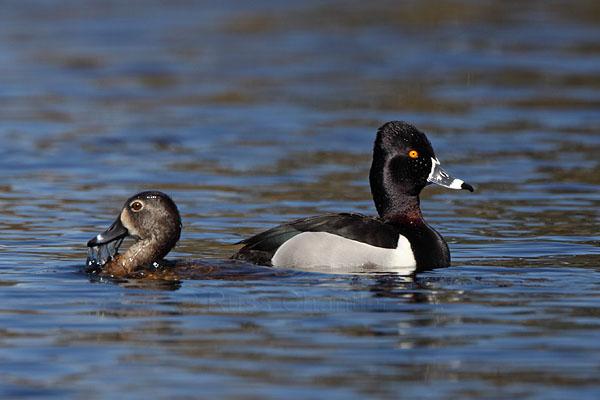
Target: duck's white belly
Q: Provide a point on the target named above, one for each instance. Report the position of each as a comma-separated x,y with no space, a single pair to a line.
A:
309,250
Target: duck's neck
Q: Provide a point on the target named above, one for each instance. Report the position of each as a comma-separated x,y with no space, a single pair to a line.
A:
142,252
429,247
399,209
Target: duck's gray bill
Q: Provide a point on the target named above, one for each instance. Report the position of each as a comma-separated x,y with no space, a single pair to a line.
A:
114,232
440,177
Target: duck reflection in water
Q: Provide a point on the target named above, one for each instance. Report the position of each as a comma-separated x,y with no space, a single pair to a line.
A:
153,220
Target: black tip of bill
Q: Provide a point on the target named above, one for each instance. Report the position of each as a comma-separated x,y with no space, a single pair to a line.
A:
468,187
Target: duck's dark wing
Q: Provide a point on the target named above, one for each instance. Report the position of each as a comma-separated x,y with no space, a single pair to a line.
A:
259,249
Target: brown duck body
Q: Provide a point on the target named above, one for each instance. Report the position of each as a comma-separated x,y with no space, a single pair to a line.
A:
151,218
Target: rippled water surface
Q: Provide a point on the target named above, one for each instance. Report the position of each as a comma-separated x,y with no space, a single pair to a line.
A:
253,113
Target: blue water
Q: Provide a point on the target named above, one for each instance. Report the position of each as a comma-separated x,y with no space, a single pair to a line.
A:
251,114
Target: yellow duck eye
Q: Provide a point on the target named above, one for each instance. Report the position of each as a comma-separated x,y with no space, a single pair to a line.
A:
413,154
136,205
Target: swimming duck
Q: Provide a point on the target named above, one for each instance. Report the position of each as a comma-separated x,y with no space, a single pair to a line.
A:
399,239
152,218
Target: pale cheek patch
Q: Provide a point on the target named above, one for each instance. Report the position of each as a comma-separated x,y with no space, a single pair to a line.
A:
128,224
322,249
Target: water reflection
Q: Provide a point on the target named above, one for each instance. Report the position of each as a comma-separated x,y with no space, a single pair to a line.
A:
167,271
170,274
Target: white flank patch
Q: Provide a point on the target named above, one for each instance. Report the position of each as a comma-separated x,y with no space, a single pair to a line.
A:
323,251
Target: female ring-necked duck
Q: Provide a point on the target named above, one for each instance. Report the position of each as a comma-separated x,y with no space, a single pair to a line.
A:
153,220
150,217
400,239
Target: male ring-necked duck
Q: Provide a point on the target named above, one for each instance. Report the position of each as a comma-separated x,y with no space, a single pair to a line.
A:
150,217
400,239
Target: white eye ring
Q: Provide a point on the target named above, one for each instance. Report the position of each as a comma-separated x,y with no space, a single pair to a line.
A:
136,206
